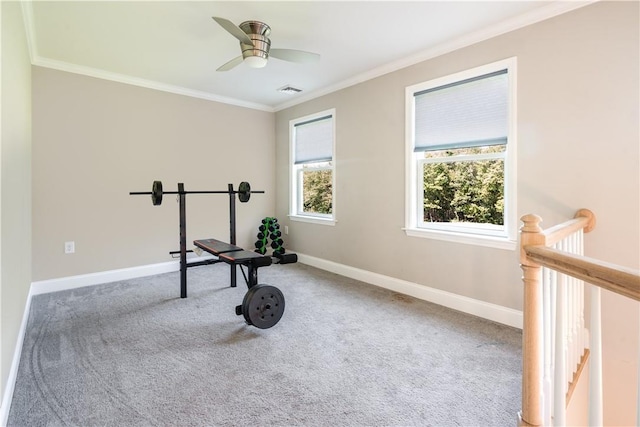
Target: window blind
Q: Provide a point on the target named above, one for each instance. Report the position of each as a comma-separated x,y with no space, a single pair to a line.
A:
469,113
314,140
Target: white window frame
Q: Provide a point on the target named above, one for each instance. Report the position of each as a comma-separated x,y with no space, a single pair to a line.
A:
295,174
478,234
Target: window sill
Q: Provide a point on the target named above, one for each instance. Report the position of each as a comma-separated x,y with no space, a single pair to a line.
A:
466,238
313,219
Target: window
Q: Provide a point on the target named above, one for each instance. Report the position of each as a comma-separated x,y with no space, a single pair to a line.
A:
461,157
312,140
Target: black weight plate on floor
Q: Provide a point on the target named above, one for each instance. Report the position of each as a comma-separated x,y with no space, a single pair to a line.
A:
244,191
263,306
156,193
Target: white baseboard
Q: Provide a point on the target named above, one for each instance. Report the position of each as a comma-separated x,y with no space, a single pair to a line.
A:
494,312
72,282
7,396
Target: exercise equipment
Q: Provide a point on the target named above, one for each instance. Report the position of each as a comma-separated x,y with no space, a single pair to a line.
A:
244,192
263,305
270,229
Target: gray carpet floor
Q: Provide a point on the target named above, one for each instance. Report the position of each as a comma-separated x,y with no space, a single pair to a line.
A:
345,353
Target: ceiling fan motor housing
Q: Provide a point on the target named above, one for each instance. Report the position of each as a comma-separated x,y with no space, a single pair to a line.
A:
256,46
258,32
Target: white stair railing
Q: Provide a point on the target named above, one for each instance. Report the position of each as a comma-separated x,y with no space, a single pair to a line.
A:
565,338
556,342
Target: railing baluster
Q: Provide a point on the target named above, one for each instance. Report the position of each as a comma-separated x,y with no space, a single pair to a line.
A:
560,375
595,360
548,312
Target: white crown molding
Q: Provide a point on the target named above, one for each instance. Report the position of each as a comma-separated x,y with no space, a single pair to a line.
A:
30,32
553,9
149,84
36,59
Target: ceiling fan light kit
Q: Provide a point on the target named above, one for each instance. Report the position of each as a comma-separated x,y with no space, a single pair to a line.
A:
256,46
255,61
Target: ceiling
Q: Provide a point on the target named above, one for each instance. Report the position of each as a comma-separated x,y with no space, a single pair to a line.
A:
176,46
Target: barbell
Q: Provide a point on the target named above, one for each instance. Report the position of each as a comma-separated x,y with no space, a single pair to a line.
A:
244,192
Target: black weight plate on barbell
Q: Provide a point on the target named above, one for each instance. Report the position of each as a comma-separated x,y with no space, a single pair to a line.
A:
263,306
156,193
244,191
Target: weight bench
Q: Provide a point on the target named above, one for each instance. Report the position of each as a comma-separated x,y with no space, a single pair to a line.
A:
263,305
235,255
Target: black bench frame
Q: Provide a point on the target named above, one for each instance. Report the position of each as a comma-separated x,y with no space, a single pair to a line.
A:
228,252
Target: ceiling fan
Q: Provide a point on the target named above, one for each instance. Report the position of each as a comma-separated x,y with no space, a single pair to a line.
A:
256,46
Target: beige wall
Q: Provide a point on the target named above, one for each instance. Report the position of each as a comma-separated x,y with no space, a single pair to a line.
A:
94,141
578,146
15,183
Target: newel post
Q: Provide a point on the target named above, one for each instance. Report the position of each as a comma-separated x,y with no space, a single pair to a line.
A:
531,235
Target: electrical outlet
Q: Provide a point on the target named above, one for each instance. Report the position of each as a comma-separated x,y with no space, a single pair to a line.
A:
286,229
69,247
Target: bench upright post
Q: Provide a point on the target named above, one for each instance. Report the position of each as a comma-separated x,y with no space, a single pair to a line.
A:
183,241
232,230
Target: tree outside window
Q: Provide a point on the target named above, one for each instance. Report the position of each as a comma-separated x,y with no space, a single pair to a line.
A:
461,154
312,196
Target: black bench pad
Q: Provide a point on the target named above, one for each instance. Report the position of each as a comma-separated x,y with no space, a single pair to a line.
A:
232,254
215,247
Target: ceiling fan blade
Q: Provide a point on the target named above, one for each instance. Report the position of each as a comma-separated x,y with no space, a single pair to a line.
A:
231,64
293,55
233,29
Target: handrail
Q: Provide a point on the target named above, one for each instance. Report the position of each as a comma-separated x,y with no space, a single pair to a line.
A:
612,277
583,219
536,251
